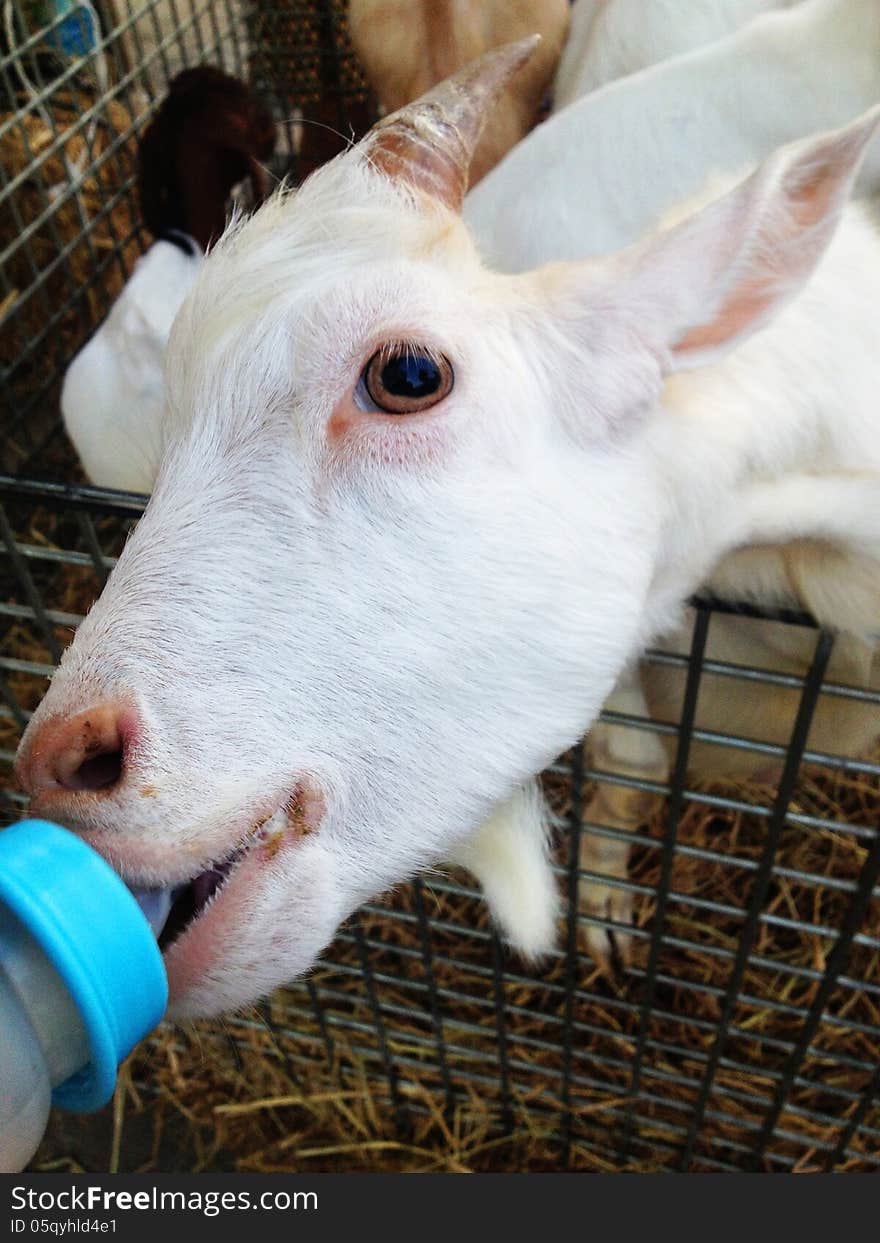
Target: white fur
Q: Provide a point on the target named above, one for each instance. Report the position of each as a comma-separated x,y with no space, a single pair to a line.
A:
619,37
694,116
602,171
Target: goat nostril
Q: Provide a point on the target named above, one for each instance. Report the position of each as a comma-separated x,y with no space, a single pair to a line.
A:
87,753
97,772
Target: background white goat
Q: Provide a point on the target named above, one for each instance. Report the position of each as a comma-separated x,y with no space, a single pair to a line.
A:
601,171
613,38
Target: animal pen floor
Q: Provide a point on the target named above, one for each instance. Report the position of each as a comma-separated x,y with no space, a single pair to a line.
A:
746,1031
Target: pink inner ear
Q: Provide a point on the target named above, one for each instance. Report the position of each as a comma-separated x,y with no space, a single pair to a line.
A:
747,305
789,241
806,202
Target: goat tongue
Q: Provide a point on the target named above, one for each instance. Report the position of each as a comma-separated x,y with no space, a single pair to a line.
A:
155,904
168,911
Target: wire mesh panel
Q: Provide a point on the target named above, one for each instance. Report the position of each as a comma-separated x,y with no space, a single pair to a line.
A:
743,1032
735,1023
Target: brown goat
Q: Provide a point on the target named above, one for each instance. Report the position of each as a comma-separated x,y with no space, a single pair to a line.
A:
210,133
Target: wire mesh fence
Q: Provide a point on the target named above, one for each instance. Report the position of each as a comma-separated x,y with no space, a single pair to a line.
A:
742,1031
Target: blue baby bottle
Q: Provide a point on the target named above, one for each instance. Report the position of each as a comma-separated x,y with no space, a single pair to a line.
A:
81,981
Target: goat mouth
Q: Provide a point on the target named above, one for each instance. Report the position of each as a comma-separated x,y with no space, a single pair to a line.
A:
172,911
185,903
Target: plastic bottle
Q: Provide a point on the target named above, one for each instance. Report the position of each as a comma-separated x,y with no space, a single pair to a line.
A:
81,981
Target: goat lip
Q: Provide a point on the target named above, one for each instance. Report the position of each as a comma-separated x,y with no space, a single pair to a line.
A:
198,950
174,904
150,866
192,900
187,902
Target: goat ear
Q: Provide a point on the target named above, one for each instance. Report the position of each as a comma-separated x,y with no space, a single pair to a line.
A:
706,284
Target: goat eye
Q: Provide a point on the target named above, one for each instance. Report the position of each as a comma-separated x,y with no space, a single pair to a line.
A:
404,379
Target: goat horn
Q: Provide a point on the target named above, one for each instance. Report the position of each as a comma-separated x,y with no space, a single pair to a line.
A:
429,143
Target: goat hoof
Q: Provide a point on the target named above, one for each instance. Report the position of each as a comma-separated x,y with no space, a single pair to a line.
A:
610,948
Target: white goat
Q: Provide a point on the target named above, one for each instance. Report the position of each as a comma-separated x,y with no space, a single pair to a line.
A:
600,172
113,393
538,206
460,509
618,37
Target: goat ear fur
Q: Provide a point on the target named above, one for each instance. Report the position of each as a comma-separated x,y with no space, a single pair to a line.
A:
697,290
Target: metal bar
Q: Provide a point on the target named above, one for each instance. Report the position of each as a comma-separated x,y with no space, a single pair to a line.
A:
744,608
56,556
760,888
433,1001
738,742
575,822
90,535
318,1010
837,960
501,1031
24,612
673,817
869,1098
751,673
403,1125
74,496
264,1010
29,587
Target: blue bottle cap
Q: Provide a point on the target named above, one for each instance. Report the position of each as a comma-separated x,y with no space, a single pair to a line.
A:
77,34
93,932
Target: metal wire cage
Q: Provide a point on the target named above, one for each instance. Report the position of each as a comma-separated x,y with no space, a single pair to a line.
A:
745,1032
